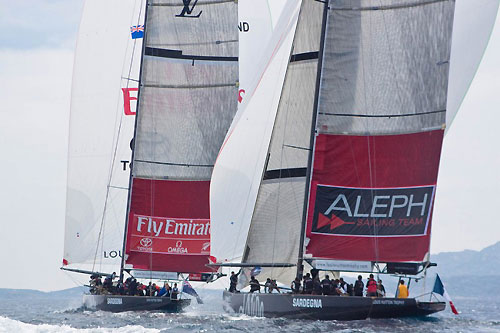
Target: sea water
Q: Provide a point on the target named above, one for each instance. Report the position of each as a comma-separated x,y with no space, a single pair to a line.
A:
25,314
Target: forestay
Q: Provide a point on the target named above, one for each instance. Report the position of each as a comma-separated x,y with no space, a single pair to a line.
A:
188,97
101,127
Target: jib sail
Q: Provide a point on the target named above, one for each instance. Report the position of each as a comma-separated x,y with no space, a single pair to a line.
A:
105,74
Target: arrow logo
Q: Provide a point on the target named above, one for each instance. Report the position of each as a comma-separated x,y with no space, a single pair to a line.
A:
334,222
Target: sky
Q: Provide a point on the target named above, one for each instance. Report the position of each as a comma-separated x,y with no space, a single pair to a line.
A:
36,59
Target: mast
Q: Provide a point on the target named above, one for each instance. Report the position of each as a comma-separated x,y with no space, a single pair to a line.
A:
300,268
122,264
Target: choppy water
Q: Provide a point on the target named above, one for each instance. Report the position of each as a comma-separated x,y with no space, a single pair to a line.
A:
66,315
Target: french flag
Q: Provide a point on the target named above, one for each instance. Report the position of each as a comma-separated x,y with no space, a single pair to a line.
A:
439,289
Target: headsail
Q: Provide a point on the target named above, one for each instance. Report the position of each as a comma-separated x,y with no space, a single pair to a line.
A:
238,171
187,100
106,68
472,27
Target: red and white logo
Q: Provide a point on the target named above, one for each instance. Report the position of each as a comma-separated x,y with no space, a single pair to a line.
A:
146,242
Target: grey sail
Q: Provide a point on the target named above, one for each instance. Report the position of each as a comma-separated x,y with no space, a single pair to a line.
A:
385,68
188,88
275,227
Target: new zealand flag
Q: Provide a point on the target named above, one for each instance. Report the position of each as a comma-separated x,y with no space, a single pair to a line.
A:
137,31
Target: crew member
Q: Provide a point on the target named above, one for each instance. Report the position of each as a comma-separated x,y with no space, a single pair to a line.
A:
359,286
233,282
326,285
402,290
268,287
254,285
308,284
380,289
371,287
175,292
296,286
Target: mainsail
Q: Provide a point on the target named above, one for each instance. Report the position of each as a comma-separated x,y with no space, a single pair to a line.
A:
187,100
356,138
106,68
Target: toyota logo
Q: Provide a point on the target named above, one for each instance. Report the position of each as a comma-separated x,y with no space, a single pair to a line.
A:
178,244
146,242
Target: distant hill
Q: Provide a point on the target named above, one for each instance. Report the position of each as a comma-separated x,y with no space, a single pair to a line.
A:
36,294
469,263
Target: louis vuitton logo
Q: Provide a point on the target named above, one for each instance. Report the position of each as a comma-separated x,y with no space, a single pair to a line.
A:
187,10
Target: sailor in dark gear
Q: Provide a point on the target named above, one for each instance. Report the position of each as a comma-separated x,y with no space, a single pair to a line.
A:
233,282
174,292
350,289
359,286
268,286
308,284
296,286
254,284
317,286
326,285
108,284
342,286
132,289
274,286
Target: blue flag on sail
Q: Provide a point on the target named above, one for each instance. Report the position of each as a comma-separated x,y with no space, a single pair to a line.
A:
188,289
439,289
137,31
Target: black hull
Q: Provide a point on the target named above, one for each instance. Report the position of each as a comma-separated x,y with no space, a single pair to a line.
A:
316,307
118,303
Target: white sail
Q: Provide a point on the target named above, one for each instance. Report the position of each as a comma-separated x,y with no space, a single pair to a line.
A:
237,173
257,20
474,21
106,64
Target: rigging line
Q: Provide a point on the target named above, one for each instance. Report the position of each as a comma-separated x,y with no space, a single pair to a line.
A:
389,7
381,115
201,2
177,164
182,86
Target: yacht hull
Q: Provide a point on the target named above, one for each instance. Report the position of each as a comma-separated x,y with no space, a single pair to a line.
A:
119,303
319,307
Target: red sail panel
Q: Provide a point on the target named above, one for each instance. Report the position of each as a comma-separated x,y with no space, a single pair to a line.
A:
169,226
372,196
